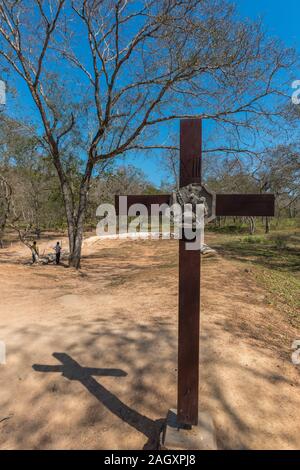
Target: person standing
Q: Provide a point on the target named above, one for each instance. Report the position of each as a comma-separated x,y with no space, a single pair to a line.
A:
57,249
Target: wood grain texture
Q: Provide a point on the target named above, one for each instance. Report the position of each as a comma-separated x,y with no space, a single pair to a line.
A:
189,285
245,205
226,204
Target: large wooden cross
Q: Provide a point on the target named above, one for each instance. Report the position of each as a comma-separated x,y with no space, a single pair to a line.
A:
190,262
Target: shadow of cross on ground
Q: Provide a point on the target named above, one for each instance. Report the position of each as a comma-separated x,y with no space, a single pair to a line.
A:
72,370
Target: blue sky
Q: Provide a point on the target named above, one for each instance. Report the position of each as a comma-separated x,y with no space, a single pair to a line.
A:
280,18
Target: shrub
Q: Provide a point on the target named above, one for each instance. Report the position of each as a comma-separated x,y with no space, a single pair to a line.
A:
280,242
254,239
227,229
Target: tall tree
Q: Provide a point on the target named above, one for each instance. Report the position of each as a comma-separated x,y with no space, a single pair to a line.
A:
112,71
5,205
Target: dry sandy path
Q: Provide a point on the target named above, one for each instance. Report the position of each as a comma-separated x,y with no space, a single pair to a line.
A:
114,327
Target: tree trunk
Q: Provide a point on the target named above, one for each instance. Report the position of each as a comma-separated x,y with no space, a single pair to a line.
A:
5,206
75,254
2,229
267,226
252,225
76,226
76,236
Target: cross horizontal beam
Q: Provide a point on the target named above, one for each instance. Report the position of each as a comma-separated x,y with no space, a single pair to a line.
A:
243,205
145,199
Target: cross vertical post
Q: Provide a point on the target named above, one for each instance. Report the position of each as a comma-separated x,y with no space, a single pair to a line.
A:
189,285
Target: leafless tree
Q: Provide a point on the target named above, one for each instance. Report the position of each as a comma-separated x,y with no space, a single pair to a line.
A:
5,205
279,172
10,217
112,71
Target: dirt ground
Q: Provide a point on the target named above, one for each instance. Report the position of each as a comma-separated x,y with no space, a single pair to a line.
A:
91,355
